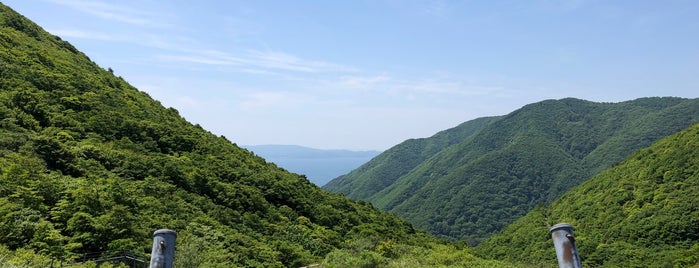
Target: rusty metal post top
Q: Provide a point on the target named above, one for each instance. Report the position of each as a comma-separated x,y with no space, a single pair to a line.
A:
561,226
164,232
564,243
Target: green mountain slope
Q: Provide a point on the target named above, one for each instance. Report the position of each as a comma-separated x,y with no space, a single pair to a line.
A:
90,166
643,212
383,170
476,187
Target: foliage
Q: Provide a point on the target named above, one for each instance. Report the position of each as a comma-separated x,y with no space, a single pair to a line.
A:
644,212
388,254
90,165
383,170
477,184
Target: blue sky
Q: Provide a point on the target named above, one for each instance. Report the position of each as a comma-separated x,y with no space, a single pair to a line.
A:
371,74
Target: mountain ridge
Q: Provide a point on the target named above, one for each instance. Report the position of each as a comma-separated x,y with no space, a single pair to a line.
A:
473,188
407,154
90,164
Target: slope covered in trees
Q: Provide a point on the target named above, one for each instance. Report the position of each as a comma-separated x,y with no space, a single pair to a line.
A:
643,212
477,186
383,170
90,165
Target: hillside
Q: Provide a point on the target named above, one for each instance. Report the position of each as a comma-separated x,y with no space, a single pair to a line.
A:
476,186
319,166
383,170
90,167
643,212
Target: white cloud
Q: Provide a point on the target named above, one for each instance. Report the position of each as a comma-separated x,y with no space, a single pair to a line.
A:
415,88
255,61
176,48
363,82
285,61
108,11
195,59
161,42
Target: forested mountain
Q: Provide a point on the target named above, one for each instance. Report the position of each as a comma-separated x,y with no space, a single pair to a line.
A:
643,212
90,166
478,185
319,166
383,170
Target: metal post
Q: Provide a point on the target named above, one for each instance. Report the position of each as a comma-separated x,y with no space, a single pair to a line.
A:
564,242
163,252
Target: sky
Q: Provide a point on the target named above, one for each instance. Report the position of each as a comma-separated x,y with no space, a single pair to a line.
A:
369,74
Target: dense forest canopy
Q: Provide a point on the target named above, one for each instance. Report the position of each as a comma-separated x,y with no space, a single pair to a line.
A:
90,166
643,212
383,170
495,170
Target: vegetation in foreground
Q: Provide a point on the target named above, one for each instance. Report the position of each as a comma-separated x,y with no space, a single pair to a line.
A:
90,166
643,212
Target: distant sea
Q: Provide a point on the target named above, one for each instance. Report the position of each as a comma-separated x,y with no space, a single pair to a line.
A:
318,165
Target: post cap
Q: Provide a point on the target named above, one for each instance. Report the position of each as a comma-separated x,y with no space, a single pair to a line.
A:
164,231
561,226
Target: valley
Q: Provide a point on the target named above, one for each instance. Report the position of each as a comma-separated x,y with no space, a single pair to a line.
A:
90,166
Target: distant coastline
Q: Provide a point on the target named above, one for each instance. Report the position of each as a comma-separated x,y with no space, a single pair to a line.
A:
318,165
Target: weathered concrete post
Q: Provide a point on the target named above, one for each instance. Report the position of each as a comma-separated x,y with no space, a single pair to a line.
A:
564,242
163,251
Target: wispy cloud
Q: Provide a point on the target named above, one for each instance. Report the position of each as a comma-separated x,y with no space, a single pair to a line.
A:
108,11
363,82
180,49
439,86
175,48
256,61
285,61
144,39
75,33
200,59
